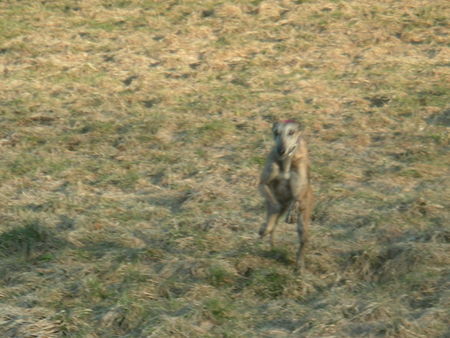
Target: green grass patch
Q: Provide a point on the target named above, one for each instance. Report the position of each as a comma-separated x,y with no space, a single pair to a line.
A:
218,276
96,289
215,130
219,310
27,164
328,173
268,283
410,173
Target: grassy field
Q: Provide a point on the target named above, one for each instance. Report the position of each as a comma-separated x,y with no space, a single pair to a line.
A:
132,135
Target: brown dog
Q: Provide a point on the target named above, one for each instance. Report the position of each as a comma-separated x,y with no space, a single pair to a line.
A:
285,184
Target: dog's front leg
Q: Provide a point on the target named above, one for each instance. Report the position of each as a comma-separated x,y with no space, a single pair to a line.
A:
270,172
299,185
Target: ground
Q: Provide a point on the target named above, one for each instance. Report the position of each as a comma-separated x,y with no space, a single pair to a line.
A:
132,135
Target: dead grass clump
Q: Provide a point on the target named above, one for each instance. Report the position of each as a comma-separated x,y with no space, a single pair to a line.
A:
172,326
269,9
387,263
115,318
229,10
322,260
20,322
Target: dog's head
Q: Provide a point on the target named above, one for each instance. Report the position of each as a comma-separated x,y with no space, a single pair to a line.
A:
286,134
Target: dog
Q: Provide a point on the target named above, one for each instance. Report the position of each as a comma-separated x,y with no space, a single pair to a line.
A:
285,185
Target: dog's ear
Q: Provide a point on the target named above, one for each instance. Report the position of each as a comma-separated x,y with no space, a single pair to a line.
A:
293,122
275,127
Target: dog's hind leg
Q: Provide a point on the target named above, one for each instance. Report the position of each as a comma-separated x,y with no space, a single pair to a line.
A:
303,222
302,233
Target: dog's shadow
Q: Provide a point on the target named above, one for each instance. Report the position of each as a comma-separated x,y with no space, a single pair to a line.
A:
280,255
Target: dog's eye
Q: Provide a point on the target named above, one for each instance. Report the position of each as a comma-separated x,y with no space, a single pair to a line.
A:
291,132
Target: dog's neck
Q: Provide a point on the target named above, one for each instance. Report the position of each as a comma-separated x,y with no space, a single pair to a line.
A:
284,162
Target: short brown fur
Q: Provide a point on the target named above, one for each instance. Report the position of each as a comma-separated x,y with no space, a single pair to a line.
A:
285,184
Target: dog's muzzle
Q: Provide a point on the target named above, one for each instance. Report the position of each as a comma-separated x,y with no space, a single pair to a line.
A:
291,150
283,153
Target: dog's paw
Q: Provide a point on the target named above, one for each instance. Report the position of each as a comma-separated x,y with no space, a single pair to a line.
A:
262,231
290,218
292,214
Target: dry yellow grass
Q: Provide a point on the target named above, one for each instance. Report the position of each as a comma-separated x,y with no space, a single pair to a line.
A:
132,134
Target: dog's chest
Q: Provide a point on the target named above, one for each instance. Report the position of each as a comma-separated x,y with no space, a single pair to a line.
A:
281,185
284,169
283,177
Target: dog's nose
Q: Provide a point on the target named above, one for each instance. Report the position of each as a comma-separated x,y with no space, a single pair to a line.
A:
281,150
